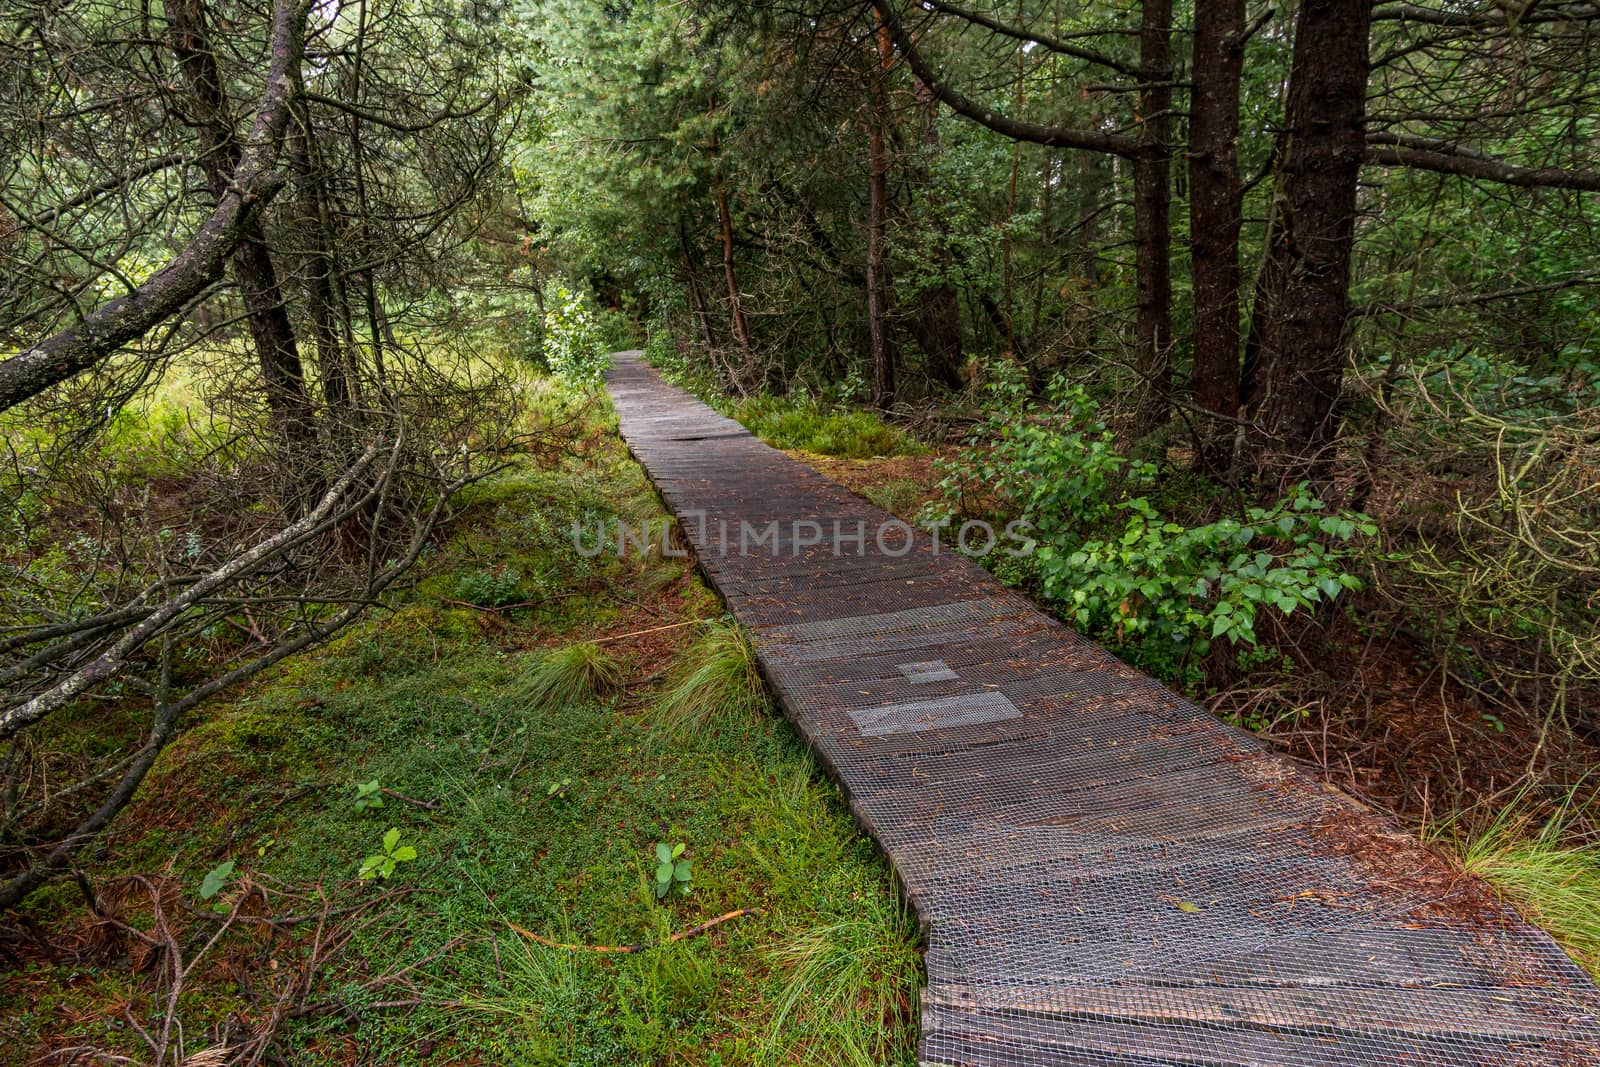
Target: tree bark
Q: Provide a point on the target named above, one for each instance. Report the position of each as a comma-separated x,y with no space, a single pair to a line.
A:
1215,218
1152,210
741,330
316,223
251,186
1325,147
697,299
880,344
935,321
265,309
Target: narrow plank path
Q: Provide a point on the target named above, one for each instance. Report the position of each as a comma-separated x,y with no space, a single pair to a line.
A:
1107,876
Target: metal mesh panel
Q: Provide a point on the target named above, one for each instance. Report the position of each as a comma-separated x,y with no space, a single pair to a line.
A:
1108,876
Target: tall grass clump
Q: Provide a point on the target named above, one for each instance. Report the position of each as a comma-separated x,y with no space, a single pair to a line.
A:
849,981
1538,869
715,679
567,676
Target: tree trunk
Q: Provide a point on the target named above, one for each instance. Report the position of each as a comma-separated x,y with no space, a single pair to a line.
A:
1262,339
252,184
253,269
697,298
741,331
879,341
1152,208
1215,218
1327,109
339,386
935,322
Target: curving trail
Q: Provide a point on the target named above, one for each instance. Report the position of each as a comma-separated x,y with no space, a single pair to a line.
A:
1107,875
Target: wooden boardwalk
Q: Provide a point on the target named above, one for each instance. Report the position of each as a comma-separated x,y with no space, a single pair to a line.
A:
1107,875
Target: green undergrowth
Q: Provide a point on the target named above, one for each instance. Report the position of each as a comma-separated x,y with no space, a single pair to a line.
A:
532,751
800,422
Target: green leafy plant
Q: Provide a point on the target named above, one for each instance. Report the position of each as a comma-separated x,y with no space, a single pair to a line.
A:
369,795
558,789
1162,590
382,864
672,872
214,881
574,344
493,588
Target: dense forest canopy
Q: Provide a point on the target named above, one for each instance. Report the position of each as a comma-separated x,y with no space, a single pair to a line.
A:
1278,323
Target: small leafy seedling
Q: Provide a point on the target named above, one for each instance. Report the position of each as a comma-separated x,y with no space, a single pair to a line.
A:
382,864
670,870
212,884
558,789
369,795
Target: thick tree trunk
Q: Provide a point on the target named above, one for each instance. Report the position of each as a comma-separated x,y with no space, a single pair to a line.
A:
1152,208
1327,109
1214,219
265,309
880,343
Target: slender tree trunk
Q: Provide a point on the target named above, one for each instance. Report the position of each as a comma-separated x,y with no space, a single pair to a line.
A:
1007,294
741,331
266,312
1152,207
935,321
1045,241
1326,114
1267,296
697,298
1214,219
879,341
339,387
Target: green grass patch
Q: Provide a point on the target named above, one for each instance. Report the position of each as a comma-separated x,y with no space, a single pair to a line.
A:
570,675
800,422
533,787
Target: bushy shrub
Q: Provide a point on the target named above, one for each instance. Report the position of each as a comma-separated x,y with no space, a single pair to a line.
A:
574,343
1159,589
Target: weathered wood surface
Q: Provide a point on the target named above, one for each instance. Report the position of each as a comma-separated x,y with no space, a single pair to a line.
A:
1107,876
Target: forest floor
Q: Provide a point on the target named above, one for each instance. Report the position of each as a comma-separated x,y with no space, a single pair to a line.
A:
533,814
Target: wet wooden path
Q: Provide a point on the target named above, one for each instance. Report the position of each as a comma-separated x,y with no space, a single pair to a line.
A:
1107,875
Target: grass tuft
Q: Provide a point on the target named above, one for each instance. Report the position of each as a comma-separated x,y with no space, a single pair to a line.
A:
1534,866
571,675
852,986
714,680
